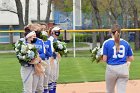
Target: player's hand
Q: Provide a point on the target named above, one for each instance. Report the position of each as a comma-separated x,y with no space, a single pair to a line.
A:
128,64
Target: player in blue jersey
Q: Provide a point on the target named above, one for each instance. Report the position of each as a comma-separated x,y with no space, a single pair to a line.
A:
38,80
117,53
48,69
48,55
54,60
27,70
39,44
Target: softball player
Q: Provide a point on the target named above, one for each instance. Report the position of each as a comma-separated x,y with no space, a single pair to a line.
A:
39,44
38,80
27,70
116,52
48,69
54,32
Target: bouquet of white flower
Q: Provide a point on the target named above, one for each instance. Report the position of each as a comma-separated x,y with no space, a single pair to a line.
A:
96,54
25,52
60,47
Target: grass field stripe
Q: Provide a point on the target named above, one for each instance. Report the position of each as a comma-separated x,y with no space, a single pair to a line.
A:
80,69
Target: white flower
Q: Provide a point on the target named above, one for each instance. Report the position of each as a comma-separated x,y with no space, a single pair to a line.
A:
30,46
17,44
97,56
16,49
58,42
65,51
95,49
31,54
99,52
60,46
44,33
23,49
22,57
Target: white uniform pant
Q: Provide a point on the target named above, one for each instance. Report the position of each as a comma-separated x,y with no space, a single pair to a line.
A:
47,74
38,83
54,71
27,78
117,75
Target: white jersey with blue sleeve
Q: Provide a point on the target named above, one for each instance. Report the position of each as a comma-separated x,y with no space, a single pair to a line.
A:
114,57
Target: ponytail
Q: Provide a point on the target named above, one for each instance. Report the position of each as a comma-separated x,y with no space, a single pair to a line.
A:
50,31
116,30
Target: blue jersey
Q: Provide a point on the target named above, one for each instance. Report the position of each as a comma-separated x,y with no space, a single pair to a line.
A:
48,49
39,44
114,57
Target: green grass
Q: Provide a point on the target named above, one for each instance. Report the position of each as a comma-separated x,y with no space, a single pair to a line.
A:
10,81
77,44
6,47
79,69
69,45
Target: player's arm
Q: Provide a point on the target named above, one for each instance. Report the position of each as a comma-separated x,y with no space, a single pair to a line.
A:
130,58
104,58
104,52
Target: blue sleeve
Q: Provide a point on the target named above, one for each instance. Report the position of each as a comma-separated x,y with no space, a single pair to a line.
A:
104,49
42,53
130,52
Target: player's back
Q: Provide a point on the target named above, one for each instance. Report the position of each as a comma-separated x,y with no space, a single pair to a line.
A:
115,57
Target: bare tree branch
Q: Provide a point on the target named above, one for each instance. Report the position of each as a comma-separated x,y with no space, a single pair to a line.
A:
8,10
38,11
26,11
98,17
48,11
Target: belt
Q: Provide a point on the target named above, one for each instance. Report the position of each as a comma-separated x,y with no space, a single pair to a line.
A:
28,65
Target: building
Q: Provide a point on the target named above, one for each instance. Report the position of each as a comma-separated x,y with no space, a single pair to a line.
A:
9,20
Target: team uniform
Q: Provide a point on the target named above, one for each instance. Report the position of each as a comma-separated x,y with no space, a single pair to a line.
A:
48,69
27,73
38,80
117,71
54,68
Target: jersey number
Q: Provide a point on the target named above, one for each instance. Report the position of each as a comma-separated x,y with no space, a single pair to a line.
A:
121,53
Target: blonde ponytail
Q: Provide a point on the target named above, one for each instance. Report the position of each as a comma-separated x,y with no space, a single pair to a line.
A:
116,33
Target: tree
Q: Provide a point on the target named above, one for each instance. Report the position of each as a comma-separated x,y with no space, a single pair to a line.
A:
48,11
124,13
63,5
20,15
26,12
135,18
98,18
38,11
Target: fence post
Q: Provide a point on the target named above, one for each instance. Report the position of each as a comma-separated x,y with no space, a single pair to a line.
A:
11,34
65,36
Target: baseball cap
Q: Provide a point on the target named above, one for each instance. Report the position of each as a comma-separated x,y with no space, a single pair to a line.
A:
56,28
